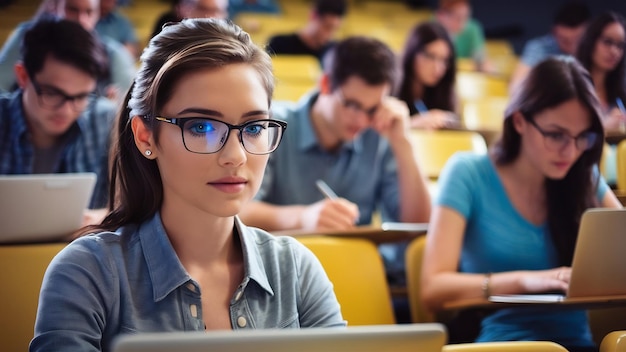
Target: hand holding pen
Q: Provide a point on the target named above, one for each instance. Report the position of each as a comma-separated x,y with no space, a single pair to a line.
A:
431,119
331,213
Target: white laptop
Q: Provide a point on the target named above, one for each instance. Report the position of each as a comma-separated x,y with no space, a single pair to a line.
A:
372,338
43,207
599,264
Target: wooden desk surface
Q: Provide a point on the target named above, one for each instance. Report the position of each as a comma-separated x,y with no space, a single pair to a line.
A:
614,136
572,303
376,234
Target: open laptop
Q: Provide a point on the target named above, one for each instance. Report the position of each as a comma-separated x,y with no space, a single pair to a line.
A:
599,264
372,338
43,207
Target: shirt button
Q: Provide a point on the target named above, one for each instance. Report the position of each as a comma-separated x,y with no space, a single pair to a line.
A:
191,287
194,310
242,322
238,295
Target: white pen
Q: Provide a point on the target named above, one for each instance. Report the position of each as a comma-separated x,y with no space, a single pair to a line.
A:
325,189
620,105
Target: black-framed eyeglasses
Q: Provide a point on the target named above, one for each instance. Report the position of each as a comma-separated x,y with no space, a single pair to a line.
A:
53,98
434,58
608,42
559,140
356,106
204,135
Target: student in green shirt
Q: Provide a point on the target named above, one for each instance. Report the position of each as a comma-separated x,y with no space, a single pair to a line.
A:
466,33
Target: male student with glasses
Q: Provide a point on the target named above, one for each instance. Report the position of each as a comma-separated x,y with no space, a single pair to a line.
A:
54,123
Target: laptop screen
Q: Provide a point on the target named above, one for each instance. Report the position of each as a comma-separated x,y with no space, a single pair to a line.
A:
43,207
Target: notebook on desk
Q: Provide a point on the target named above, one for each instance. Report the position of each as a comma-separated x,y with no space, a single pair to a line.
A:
43,207
599,264
373,338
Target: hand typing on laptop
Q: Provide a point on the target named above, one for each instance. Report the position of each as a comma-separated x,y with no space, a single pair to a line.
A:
545,280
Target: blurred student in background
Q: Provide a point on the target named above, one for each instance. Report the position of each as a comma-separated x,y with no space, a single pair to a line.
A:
316,38
355,137
506,223
54,123
352,135
428,72
601,52
121,70
568,26
256,6
192,143
191,9
466,33
116,26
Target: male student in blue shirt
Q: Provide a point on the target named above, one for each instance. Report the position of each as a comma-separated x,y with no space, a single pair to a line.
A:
352,135
53,123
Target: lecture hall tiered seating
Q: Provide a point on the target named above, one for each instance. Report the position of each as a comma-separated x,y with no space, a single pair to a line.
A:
483,98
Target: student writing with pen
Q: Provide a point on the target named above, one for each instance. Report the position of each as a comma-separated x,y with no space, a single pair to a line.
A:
428,71
352,135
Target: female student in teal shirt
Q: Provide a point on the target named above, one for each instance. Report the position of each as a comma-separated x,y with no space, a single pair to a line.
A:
506,223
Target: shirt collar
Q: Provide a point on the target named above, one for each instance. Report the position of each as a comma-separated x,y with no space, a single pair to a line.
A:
165,269
167,272
304,127
253,263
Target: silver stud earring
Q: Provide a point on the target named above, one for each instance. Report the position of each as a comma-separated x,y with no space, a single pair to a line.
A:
148,152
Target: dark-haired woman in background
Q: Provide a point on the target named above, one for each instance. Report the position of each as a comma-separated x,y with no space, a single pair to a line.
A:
601,51
428,71
506,223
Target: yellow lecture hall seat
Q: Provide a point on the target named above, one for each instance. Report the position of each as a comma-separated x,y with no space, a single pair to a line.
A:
303,69
434,148
414,257
621,166
290,91
508,346
484,114
262,26
614,342
356,270
495,47
22,270
477,85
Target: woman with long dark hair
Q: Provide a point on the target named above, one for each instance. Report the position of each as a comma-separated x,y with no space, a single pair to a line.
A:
428,71
601,51
192,143
506,223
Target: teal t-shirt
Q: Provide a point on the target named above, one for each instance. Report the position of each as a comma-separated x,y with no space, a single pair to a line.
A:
470,43
497,238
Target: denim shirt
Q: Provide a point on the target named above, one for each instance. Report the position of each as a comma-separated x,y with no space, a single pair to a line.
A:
112,283
86,149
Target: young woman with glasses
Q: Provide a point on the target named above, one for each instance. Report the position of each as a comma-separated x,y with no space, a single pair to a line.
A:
601,51
507,222
192,145
428,71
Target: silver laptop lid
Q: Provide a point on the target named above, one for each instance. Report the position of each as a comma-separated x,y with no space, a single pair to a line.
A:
399,338
599,264
43,207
